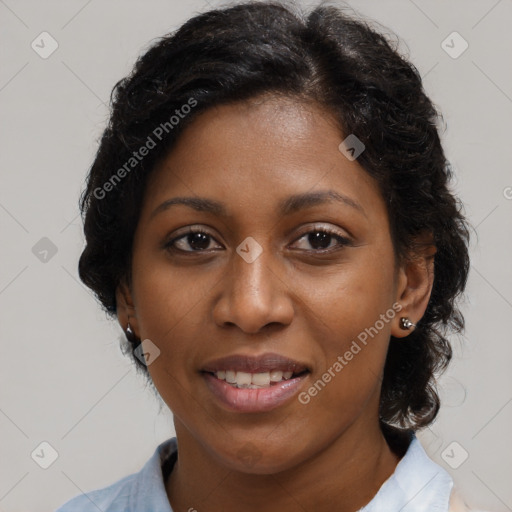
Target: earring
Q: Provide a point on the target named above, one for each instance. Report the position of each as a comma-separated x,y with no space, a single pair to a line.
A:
130,334
406,324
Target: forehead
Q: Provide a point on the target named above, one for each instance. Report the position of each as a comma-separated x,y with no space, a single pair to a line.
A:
256,153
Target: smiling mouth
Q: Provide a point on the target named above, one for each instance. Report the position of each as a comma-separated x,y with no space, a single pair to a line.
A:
261,380
246,383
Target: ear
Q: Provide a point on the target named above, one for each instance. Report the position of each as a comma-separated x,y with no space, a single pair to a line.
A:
125,308
415,281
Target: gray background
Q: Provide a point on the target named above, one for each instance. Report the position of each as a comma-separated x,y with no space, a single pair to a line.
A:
63,379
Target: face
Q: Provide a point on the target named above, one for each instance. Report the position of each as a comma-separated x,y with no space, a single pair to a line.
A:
281,261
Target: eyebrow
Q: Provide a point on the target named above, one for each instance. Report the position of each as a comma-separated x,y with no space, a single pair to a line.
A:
288,206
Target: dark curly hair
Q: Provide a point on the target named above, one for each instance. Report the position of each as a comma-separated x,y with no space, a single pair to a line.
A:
326,56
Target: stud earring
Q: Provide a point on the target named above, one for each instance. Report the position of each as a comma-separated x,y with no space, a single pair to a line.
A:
406,324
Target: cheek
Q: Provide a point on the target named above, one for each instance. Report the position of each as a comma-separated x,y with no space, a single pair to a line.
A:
354,297
354,311
166,298
169,306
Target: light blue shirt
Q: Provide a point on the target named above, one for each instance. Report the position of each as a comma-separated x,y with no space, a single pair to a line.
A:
418,484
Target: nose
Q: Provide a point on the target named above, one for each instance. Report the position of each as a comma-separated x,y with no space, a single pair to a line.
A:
254,296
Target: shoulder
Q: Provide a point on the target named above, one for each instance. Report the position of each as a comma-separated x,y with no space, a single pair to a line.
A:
116,494
457,503
146,487
438,482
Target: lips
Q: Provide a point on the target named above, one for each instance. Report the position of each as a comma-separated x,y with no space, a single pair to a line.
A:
254,384
255,364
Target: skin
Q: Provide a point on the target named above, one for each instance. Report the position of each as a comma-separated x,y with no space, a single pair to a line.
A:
329,454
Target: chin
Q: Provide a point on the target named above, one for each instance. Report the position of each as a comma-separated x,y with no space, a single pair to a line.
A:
259,458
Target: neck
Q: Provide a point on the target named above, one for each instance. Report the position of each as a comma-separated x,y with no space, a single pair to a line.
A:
345,476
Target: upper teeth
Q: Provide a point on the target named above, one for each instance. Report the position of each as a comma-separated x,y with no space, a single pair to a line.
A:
252,380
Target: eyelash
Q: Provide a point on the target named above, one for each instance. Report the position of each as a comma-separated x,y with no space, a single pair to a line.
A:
342,240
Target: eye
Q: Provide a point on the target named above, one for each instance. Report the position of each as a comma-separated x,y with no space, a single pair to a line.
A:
195,238
321,239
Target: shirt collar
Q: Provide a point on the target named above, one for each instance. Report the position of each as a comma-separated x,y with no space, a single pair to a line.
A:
418,484
150,493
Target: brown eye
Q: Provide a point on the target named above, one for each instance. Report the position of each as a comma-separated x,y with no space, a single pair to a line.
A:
195,240
322,240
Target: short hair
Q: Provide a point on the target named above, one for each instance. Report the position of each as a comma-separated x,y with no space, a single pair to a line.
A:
338,61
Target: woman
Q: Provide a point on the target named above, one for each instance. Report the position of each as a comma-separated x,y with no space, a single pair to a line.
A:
268,217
